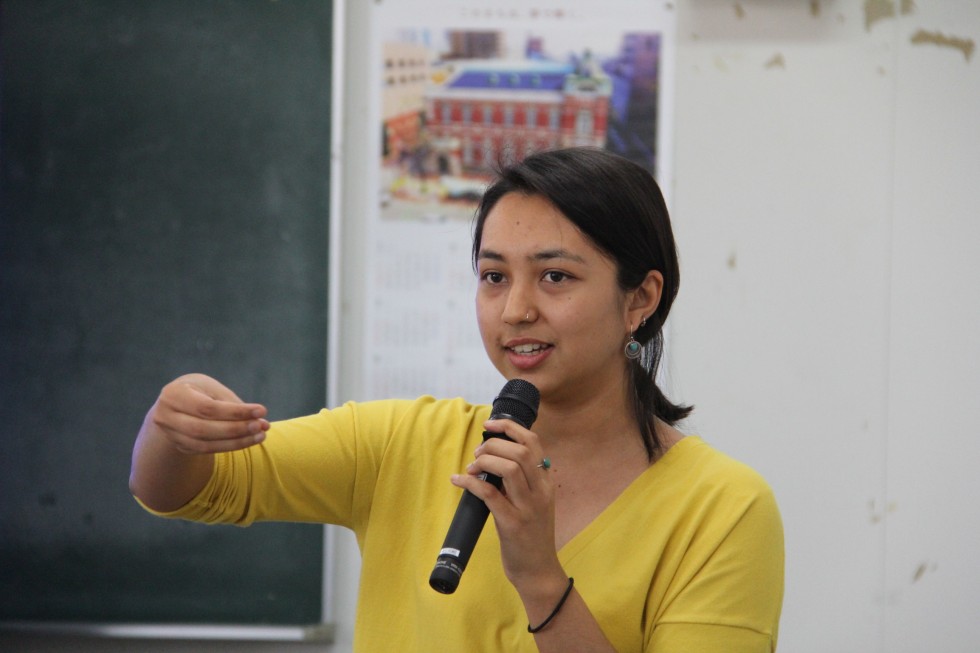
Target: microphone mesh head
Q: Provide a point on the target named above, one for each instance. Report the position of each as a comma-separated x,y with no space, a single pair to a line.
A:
518,401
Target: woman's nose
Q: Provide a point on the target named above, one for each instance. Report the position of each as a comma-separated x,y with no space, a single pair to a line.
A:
518,307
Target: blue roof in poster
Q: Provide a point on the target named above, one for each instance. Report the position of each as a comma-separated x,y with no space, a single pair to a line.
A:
523,75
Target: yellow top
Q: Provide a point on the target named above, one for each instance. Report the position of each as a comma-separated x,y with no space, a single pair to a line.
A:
688,558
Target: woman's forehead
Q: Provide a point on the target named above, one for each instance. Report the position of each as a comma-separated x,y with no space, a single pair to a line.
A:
517,216
532,227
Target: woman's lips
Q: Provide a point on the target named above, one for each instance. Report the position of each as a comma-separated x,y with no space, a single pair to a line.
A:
526,355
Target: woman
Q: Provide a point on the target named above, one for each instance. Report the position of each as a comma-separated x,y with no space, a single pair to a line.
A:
672,545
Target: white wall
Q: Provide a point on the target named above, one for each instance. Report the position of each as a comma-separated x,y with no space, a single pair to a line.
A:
825,210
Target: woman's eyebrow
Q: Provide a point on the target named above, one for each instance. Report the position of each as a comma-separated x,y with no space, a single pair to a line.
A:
550,254
544,255
490,254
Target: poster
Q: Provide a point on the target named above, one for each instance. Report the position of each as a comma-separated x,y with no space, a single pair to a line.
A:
459,88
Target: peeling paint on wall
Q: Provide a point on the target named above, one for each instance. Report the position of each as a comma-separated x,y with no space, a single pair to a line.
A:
878,514
921,570
875,10
777,61
965,46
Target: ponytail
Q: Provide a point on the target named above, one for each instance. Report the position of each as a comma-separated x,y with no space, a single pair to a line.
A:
649,401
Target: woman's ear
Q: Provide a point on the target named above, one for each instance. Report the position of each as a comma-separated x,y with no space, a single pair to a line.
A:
643,301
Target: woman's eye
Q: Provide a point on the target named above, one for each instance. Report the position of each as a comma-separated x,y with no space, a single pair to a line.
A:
492,277
555,277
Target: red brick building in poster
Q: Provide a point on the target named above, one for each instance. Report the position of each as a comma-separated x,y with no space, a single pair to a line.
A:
500,110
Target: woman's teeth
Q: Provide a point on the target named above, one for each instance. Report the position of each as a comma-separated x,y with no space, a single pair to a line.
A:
527,349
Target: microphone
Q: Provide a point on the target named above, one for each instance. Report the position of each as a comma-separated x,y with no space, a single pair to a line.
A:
518,402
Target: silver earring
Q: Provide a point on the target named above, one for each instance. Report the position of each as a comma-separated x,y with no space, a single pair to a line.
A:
633,349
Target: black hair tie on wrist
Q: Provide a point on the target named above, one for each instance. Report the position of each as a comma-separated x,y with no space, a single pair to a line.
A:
561,602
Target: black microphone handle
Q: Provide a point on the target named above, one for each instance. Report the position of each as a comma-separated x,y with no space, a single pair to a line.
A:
468,521
518,402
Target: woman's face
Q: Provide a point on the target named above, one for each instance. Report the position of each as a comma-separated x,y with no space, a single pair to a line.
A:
548,304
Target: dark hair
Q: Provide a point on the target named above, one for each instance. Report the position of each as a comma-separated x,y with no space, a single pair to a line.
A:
618,205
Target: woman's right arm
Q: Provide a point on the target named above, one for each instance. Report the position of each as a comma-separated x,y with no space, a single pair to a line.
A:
194,418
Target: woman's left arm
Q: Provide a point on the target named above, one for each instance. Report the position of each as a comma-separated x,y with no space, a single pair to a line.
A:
524,513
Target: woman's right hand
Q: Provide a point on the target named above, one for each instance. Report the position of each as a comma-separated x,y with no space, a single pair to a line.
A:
199,415
194,418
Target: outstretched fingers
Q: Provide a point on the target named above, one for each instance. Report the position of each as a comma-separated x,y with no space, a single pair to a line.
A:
202,416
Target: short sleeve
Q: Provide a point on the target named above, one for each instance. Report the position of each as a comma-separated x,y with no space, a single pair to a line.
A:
733,603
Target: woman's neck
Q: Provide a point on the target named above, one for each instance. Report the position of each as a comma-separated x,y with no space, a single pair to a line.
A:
584,429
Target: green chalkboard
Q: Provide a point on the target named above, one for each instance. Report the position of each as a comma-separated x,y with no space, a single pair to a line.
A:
164,209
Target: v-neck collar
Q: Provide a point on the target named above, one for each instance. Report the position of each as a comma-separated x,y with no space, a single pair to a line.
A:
647,479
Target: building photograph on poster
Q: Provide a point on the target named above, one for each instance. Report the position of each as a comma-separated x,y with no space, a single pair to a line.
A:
456,103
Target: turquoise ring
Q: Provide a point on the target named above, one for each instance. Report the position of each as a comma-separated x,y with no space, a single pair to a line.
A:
545,463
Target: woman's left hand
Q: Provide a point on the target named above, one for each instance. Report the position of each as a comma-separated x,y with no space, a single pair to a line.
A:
524,512
524,508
